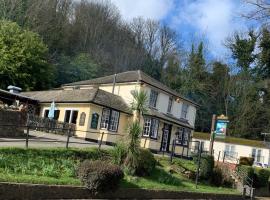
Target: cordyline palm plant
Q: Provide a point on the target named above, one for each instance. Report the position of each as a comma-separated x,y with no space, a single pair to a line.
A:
138,107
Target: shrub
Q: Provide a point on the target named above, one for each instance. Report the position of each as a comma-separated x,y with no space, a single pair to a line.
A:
245,171
246,161
207,166
221,177
146,163
261,177
99,176
119,153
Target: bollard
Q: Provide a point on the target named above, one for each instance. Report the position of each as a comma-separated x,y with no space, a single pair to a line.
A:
68,136
27,137
100,142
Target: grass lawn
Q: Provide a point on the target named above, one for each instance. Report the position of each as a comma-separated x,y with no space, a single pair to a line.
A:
162,179
58,167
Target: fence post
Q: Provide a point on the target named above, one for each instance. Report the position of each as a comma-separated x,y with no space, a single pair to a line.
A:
199,164
224,155
173,149
218,156
100,141
68,136
27,137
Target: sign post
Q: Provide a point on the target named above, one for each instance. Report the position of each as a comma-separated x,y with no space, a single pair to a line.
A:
212,137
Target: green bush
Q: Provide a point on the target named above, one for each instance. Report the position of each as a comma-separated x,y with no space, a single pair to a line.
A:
146,163
207,166
99,176
119,153
217,177
245,171
261,177
246,161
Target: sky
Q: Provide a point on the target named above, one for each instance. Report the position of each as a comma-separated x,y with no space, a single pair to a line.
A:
210,20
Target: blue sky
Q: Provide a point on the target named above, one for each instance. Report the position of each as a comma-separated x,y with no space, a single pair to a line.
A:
210,20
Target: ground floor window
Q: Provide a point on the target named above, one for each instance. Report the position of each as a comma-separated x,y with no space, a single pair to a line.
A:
182,136
257,155
110,119
56,114
71,116
150,128
230,151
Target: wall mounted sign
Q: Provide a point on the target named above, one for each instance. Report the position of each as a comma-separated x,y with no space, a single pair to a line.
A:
94,121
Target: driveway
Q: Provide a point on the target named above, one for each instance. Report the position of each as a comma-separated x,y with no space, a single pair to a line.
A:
47,140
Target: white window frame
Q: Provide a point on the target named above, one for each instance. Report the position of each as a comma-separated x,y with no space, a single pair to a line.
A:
150,128
230,151
110,121
184,110
153,98
170,105
258,156
114,120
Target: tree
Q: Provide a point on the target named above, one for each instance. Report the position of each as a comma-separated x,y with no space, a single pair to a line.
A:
23,58
242,49
72,69
263,67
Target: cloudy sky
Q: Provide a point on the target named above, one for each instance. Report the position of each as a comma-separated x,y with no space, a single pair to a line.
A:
212,20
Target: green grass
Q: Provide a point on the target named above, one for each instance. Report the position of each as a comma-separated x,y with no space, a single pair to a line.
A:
58,167
162,179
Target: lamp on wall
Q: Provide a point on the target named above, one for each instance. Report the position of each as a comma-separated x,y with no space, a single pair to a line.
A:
177,100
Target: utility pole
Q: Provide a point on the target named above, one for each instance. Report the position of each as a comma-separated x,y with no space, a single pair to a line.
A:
212,137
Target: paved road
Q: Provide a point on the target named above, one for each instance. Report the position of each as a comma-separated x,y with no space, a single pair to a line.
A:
47,140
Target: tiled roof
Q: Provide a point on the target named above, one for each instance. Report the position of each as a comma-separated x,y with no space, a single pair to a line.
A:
96,96
130,76
169,118
232,140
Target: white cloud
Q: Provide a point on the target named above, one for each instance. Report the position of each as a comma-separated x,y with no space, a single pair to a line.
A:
215,19
154,9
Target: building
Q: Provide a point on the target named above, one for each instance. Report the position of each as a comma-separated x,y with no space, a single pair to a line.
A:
101,105
231,148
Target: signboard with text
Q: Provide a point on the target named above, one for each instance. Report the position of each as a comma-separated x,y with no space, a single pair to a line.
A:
221,126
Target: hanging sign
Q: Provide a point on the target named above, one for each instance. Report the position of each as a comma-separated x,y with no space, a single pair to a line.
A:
221,126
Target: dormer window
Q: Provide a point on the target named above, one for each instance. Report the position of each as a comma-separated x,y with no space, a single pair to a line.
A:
170,103
184,111
153,98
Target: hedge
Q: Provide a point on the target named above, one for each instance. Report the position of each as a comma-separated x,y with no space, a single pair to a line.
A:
246,161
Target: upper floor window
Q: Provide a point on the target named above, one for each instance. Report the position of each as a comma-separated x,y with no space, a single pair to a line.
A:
153,98
150,128
110,119
184,111
169,109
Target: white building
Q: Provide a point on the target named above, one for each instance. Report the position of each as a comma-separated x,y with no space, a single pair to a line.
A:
234,148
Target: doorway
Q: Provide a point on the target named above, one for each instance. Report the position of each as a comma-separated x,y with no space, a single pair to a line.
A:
166,136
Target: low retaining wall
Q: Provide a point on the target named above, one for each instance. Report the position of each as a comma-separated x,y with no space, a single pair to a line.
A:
11,122
38,191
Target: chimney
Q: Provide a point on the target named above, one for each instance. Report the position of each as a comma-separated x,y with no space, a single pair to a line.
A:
14,89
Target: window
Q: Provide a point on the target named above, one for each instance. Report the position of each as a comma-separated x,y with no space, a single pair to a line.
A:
56,114
114,121
257,155
169,110
153,99
150,128
71,116
110,119
184,111
182,136
105,118
82,119
230,151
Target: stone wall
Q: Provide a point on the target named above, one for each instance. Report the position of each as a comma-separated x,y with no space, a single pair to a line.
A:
38,191
11,123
